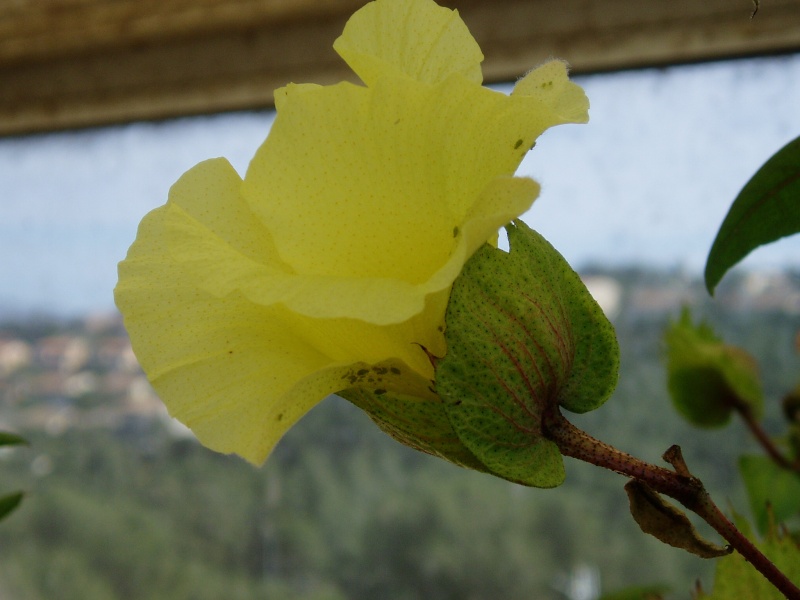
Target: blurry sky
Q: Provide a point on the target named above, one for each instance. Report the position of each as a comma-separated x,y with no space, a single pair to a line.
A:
647,181
652,175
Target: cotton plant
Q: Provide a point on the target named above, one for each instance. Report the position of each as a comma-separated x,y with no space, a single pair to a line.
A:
357,257
328,267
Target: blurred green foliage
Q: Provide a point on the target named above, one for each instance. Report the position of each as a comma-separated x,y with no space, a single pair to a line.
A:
707,378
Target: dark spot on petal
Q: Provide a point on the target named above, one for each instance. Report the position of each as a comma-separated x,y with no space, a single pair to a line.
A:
379,392
430,387
518,144
440,329
279,417
395,370
381,370
362,372
456,231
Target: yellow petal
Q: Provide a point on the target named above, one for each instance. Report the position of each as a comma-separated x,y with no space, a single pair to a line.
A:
348,320
415,38
238,372
503,200
560,99
210,193
332,156
225,367
369,210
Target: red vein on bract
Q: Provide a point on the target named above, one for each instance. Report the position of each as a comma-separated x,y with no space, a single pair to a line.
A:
563,348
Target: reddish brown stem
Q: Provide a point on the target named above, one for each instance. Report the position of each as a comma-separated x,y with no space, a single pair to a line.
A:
766,442
678,484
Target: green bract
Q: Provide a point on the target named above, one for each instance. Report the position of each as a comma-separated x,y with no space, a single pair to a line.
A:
419,421
707,378
523,335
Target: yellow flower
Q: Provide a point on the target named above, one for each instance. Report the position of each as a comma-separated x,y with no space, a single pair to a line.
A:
328,267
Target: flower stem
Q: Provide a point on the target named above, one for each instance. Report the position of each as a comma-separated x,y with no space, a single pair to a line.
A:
678,484
766,442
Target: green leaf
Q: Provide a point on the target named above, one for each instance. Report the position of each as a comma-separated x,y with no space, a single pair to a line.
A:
9,502
523,334
736,579
707,378
771,489
664,521
767,209
12,439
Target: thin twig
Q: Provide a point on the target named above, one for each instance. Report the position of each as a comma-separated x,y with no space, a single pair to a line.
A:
766,442
678,484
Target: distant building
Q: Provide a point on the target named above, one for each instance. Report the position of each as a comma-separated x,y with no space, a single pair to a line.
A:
14,355
67,353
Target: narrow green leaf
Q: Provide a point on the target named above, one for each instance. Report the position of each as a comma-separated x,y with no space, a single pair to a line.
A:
767,209
664,521
12,439
707,378
770,488
523,334
9,502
